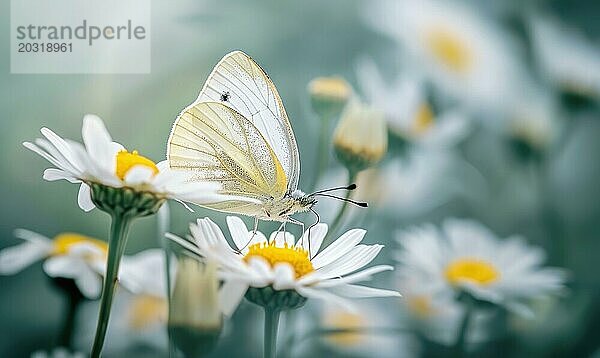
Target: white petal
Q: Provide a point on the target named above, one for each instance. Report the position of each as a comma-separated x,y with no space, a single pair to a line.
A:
357,258
63,148
339,247
89,283
317,234
231,295
355,291
238,231
284,276
328,297
138,174
62,266
34,148
356,277
97,141
34,237
261,268
52,174
16,258
280,238
84,198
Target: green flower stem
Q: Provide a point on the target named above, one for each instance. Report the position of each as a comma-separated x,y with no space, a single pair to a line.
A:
340,215
164,220
322,151
460,346
271,325
74,300
116,246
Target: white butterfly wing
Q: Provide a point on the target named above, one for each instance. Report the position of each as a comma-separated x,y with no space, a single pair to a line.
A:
218,144
240,83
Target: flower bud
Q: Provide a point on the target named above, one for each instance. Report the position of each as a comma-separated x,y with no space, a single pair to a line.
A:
329,95
195,319
360,138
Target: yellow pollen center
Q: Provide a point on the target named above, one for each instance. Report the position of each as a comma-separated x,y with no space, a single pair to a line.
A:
294,256
63,243
127,160
471,270
345,320
449,49
146,311
423,119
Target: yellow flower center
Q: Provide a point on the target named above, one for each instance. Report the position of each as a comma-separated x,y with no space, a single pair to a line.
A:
471,270
420,305
64,242
344,320
423,119
146,311
449,49
127,160
296,257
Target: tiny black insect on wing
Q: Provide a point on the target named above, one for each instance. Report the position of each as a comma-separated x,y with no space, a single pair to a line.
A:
225,96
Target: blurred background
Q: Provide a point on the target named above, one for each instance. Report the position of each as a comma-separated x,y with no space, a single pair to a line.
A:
517,82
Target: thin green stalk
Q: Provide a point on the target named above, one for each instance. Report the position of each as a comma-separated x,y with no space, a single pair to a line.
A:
66,334
116,246
164,220
340,215
271,325
322,151
460,346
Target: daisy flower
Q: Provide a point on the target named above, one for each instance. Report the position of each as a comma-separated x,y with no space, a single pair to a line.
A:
273,269
103,164
372,327
281,273
408,111
438,318
140,309
577,73
464,256
461,52
68,255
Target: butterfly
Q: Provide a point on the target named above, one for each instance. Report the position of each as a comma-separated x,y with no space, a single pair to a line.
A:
237,133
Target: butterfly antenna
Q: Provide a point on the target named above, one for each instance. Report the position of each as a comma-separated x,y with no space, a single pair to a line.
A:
361,204
348,187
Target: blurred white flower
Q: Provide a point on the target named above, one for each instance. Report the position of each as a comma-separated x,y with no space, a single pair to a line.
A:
68,255
369,320
408,112
464,256
461,51
108,163
534,119
285,265
140,311
437,317
568,59
59,352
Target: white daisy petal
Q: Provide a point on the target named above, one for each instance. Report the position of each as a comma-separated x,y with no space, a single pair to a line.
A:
355,291
89,283
317,234
84,198
16,258
284,276
230,295
338,248
356,277
138,174
53,174
238,231
357,258
98,141
327,297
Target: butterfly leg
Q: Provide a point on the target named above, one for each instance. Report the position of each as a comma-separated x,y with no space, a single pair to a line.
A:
318,220
281,227
254,231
